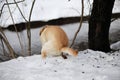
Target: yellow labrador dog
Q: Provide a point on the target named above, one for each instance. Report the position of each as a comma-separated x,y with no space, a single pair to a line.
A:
54,41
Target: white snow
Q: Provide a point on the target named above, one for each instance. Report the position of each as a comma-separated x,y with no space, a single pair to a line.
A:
88,65
116,46
46,10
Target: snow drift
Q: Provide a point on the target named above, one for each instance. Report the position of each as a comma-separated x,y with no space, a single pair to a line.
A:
88,65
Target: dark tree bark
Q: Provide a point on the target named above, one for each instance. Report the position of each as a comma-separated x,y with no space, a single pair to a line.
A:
99,24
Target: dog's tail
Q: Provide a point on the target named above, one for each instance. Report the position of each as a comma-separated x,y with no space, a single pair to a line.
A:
69,51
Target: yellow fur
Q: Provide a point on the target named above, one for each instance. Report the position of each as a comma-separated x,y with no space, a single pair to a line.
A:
54,41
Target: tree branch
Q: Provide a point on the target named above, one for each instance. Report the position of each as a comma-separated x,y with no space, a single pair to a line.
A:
1,10
20,11
14,26
79,25
28,29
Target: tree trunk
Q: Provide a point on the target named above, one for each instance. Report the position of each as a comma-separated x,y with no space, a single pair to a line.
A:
99,24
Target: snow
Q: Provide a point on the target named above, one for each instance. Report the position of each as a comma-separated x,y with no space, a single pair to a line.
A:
45,10
88,65
116,46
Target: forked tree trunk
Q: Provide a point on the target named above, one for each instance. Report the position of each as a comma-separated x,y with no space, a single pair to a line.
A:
99,24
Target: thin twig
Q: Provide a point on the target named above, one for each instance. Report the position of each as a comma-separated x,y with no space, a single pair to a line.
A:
8,4
6,18
9,47
79,25
3,47
12,53
20,11
14,26
28,29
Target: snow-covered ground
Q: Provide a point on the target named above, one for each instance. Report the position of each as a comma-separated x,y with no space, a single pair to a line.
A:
88,65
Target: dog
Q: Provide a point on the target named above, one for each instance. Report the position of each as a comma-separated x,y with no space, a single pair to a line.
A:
55,42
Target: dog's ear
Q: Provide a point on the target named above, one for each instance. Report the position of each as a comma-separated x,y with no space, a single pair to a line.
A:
42,29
